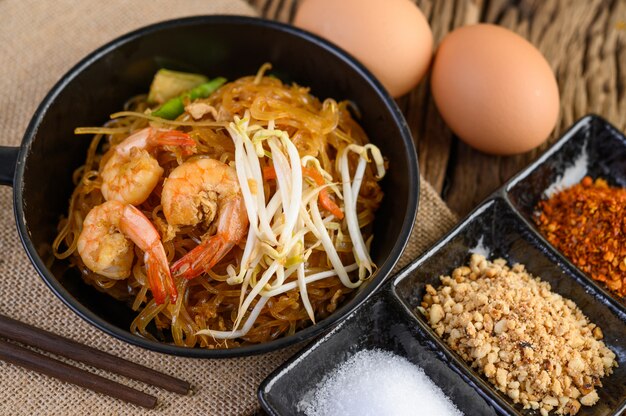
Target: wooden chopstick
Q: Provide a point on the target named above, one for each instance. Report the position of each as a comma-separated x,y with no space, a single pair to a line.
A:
31,360
56,344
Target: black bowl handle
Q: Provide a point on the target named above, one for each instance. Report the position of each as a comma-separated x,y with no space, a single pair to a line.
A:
8,160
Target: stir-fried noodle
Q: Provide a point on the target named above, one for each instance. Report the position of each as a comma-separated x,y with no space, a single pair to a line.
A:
307,178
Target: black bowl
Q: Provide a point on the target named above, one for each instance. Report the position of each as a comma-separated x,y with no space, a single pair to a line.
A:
215,45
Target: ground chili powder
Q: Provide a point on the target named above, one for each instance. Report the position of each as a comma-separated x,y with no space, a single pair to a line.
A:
587,222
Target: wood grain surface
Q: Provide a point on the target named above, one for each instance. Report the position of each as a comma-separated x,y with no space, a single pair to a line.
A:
583,40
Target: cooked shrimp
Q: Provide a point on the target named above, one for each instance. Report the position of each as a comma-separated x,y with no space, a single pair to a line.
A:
105,247
131,172
202,191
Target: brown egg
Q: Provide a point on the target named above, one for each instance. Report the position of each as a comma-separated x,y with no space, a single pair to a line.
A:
494,89
391,38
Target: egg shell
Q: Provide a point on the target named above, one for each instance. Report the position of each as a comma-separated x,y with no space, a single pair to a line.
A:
494,89
391,38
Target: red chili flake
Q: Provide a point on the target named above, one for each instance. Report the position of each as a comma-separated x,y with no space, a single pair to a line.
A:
587,222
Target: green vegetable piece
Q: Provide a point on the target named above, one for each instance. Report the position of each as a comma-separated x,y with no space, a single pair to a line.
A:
175,107
168,84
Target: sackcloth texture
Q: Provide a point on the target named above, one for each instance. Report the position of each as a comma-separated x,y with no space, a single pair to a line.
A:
39,42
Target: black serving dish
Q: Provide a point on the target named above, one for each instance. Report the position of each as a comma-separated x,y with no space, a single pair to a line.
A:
381,323
591,147
40,171
495,230
500,227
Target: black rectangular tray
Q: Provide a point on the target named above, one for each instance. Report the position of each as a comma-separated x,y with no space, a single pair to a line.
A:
381,323
501,226
594,145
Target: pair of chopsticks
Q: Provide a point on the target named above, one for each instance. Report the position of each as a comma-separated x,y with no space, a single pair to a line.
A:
47,341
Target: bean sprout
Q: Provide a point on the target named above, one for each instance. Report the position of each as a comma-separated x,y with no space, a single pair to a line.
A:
282,229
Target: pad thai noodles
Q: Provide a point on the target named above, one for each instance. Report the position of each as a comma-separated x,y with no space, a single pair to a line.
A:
225,213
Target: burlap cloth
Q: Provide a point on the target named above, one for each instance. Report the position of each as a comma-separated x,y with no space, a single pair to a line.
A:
39,42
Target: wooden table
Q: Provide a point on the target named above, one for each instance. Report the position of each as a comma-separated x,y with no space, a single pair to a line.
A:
585,43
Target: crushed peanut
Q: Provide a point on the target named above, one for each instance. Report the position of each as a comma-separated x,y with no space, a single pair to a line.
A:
531,343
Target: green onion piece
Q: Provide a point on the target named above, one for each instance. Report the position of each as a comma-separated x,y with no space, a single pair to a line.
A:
176,106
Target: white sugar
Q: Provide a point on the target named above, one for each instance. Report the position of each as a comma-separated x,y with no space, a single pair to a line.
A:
375,382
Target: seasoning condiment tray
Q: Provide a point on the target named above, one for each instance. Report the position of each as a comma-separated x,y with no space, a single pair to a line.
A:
502,226
495,230
591,147
381,323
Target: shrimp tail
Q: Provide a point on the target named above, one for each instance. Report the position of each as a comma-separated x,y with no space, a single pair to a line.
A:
156,282
173,138
140,230
159,276
203,257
